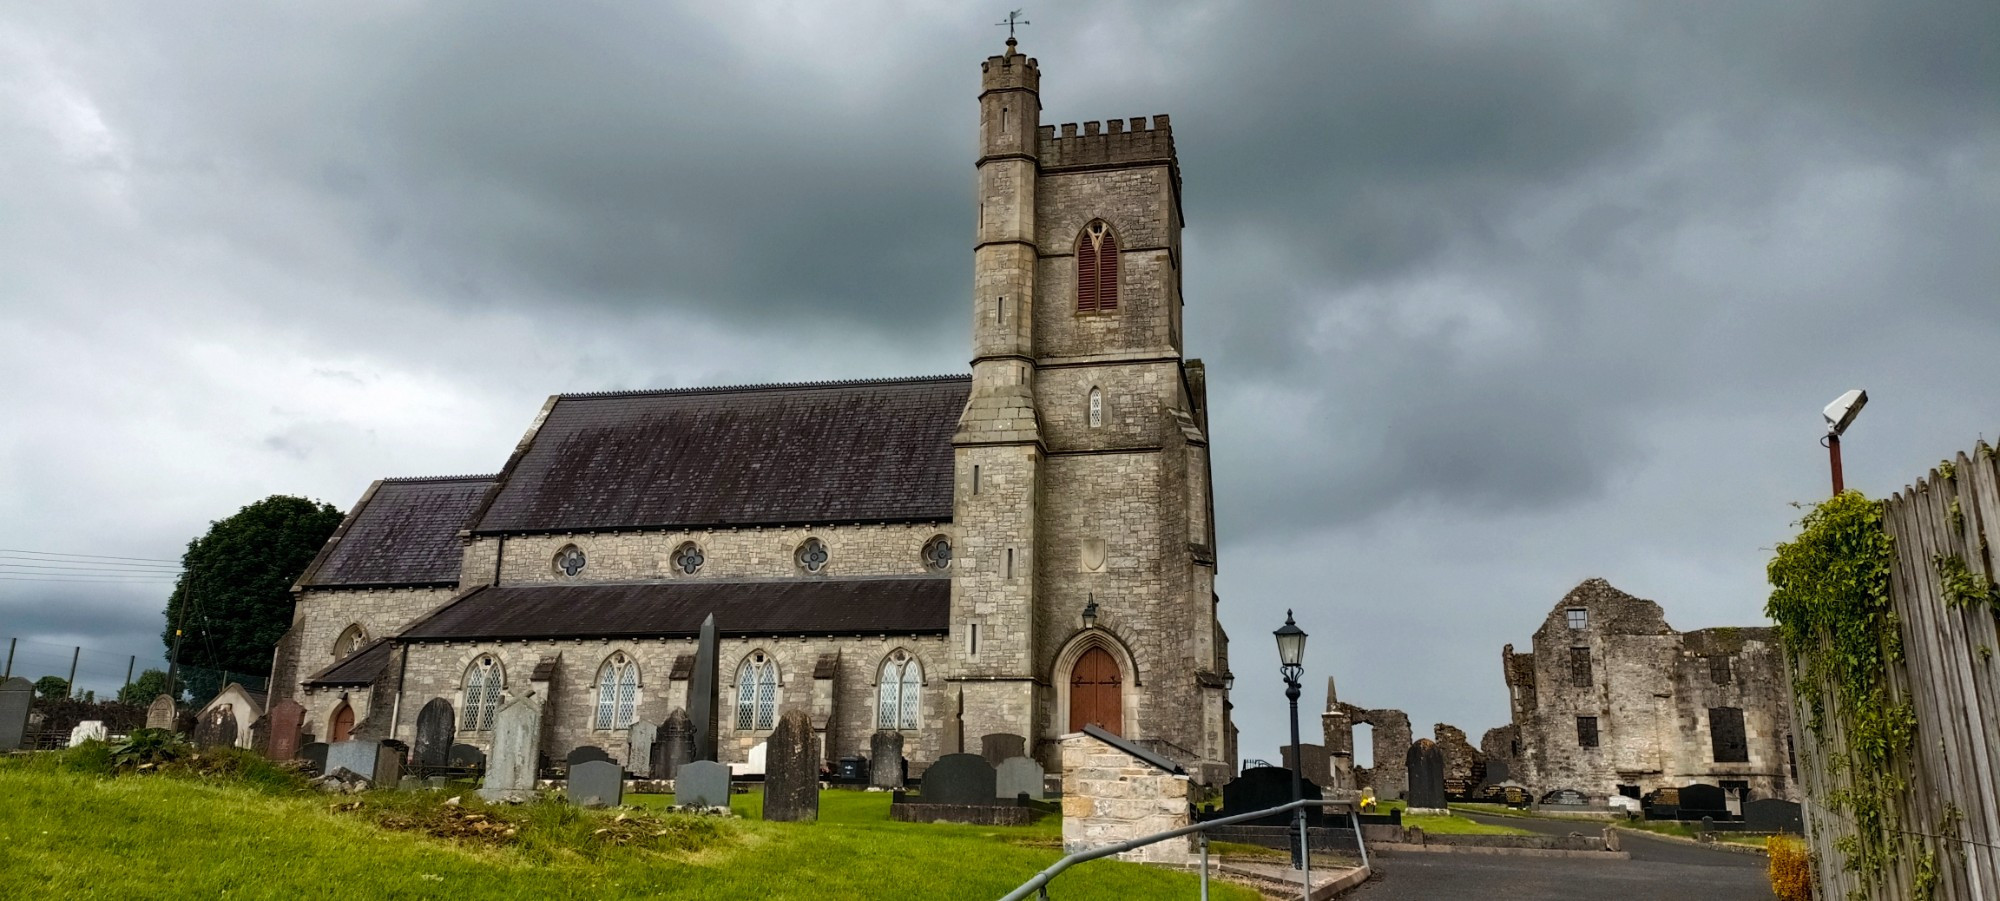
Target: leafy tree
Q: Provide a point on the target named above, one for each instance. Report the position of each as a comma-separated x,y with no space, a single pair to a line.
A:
234,594
150,684
52,688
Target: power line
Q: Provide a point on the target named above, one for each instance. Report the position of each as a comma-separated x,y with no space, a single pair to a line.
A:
86,570
16,560
10,550
106,580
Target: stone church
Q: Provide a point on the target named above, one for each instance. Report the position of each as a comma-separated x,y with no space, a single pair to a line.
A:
1021,550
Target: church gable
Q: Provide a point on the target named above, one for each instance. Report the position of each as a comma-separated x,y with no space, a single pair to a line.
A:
403,532
877,451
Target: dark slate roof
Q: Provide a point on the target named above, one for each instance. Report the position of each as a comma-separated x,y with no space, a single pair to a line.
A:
876,451
898,606
359,668
404,532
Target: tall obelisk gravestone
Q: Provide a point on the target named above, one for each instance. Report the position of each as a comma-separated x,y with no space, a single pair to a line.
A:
703,701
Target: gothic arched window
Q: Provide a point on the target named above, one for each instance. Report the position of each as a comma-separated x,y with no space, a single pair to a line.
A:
757,693
351,639
483,681
898,699
617,693
1096,268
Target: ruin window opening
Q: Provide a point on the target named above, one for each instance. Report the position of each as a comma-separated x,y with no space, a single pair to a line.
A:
1579,667
1579,618
1718,670
1727,742
1586,732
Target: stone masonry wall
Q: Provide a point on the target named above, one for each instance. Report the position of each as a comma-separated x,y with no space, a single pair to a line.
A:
1138,205
729,554
1110,796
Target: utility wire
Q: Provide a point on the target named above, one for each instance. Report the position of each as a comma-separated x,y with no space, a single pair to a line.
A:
9,550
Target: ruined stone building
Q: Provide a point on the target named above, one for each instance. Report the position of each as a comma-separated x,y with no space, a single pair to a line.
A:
1388,776
1024,548
1612,700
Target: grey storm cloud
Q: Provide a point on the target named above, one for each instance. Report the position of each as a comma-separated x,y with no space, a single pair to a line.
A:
1494,296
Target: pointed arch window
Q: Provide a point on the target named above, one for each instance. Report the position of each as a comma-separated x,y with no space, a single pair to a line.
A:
483,681
1096,268
351,639
617,693
756,693
1096,408
899,692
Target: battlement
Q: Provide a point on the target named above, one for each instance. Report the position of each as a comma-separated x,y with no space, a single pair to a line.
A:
1010,70
1112,141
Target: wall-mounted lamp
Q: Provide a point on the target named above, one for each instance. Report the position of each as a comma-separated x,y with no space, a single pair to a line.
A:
1090,613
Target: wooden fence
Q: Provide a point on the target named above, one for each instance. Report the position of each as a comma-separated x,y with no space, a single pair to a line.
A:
1949,817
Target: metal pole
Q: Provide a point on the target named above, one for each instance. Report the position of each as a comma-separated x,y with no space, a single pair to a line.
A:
130,662
1298,793
73,658
11,642
1833,457
1355,818
1204,864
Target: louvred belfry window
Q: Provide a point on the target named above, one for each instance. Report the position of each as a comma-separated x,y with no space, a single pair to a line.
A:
1096,268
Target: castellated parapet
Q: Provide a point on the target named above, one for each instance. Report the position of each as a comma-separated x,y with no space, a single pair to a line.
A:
1010,70
1108,143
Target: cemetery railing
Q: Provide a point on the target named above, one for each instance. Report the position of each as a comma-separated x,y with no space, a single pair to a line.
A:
1039,885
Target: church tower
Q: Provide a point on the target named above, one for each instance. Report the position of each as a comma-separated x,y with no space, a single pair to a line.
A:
998,447
1084,590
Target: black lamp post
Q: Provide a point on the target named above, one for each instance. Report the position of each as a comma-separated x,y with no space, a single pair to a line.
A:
1291,663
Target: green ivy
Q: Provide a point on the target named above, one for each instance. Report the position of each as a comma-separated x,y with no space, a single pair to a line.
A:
1830,599
1962,587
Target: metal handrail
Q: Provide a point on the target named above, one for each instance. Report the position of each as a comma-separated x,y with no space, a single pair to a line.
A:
1040,880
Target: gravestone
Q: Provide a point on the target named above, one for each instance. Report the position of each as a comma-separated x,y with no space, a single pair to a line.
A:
314,754
371,759
517,750
466,757
161,713
1772,815
753,762
17,697
260,735
585,754
675,746
1318,766
885,756
959,779
217,728
1567,797
1425,762
88,730
1703,800
596,783
791,770
1497,771
437,727
1017,776
639,741
1264,787
704,707
702,783
1002,745
287,718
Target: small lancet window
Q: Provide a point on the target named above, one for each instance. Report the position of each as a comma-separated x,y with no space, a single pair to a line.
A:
1096,268
1096,408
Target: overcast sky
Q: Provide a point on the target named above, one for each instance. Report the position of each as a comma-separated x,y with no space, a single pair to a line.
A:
1495,297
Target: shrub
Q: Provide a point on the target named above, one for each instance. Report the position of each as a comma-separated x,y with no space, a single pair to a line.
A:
1791,868
146,749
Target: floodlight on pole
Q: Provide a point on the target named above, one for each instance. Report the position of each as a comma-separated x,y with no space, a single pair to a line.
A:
1839,415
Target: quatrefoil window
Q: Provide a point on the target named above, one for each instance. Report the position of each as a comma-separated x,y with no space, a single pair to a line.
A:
569,561
812,556
688,558
937,553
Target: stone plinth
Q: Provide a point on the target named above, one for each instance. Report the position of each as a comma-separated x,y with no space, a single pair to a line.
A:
1110,796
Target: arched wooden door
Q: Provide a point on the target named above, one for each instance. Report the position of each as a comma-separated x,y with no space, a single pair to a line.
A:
342,726
1096,692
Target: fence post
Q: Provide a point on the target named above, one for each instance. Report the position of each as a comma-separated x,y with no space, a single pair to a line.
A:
131,662
73,658
11,642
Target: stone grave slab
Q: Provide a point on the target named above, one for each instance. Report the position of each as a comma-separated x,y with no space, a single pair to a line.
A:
704,704
1017,776
314,754
702,783
585,754
1425,763
466,757
1318,764
1566,797
161,713
1700,799
88,730
596,783
885,756
260,735
437,728
959,779
675,746
372,759
1262,787
17,697
791,770
517,750
217,728
1773,815
639,741
287,719
999,746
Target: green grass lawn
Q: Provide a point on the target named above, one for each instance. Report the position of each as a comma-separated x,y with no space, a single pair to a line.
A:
1686,830
1458,825
67,834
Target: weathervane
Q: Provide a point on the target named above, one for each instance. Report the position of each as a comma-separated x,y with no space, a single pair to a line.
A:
1013,19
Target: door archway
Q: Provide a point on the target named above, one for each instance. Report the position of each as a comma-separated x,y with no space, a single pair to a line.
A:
1096,692
341,727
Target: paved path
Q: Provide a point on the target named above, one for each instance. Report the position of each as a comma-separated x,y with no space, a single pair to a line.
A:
1659,869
